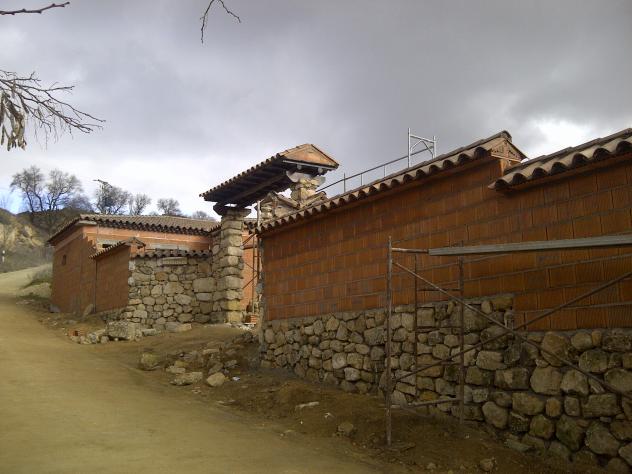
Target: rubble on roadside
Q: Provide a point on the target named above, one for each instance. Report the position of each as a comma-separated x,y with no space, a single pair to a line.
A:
218,361
121,331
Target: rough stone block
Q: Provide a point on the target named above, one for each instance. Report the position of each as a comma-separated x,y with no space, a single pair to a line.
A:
516,378
546,380
600,405
490,360
526,403
620,379
495,415
569,432
125,330
601,441
594,360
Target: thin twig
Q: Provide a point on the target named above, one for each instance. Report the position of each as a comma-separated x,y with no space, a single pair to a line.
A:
204,17
25,99
37,10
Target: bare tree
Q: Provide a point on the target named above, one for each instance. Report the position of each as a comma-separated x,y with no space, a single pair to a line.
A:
111,199
204,17
80,203
31,184
169,207
202,216
45,197
61,188
138,203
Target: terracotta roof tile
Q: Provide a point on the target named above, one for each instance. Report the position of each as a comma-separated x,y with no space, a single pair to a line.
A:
161,253
565,160
169,224
498,145
269,175
111,248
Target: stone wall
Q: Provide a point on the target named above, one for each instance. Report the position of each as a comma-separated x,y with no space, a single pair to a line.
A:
169,289
530,399
228,266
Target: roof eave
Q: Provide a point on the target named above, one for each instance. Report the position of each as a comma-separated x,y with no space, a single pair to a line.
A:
446,162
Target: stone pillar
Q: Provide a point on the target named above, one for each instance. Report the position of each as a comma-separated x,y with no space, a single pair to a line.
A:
304,188
228,266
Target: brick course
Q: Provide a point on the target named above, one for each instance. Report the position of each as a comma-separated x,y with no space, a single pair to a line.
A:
76,281
336,261
110,282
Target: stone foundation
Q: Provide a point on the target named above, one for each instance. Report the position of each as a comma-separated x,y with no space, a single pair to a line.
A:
169,289
530,399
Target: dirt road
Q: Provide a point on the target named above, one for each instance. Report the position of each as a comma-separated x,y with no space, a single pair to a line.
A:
64,409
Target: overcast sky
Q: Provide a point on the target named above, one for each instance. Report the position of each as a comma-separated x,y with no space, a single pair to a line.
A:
348,76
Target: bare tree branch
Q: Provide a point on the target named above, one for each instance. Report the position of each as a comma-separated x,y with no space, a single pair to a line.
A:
204,17
37,10
44,198
169,207
110,199
25,98
138,203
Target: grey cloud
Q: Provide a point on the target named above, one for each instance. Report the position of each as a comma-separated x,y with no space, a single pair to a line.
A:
349,76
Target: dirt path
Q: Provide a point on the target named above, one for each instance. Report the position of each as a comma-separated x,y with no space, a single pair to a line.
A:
64,409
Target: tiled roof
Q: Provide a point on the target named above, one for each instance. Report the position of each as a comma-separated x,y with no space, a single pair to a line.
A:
111,248
169,224
565,160
161,253
270,175
498,145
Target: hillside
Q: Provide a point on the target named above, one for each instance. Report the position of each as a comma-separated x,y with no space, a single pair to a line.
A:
24,244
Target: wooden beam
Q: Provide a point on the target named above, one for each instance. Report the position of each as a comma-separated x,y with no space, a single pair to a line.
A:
253,190
535,246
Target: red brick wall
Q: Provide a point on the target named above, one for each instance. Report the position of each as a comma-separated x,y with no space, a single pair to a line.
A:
72,266
112,272
337,262
73,284
73,287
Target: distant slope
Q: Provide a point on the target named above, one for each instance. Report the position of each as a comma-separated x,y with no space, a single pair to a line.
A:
24,245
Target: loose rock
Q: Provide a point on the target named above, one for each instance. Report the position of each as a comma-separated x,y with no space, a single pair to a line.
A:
149,360
216,380
487,464
346,428
187,378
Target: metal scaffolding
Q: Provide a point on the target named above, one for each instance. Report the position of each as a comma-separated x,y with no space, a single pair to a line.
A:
459,252
252,243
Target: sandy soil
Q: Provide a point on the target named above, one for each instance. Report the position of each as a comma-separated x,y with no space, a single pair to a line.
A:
68,408
88,408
